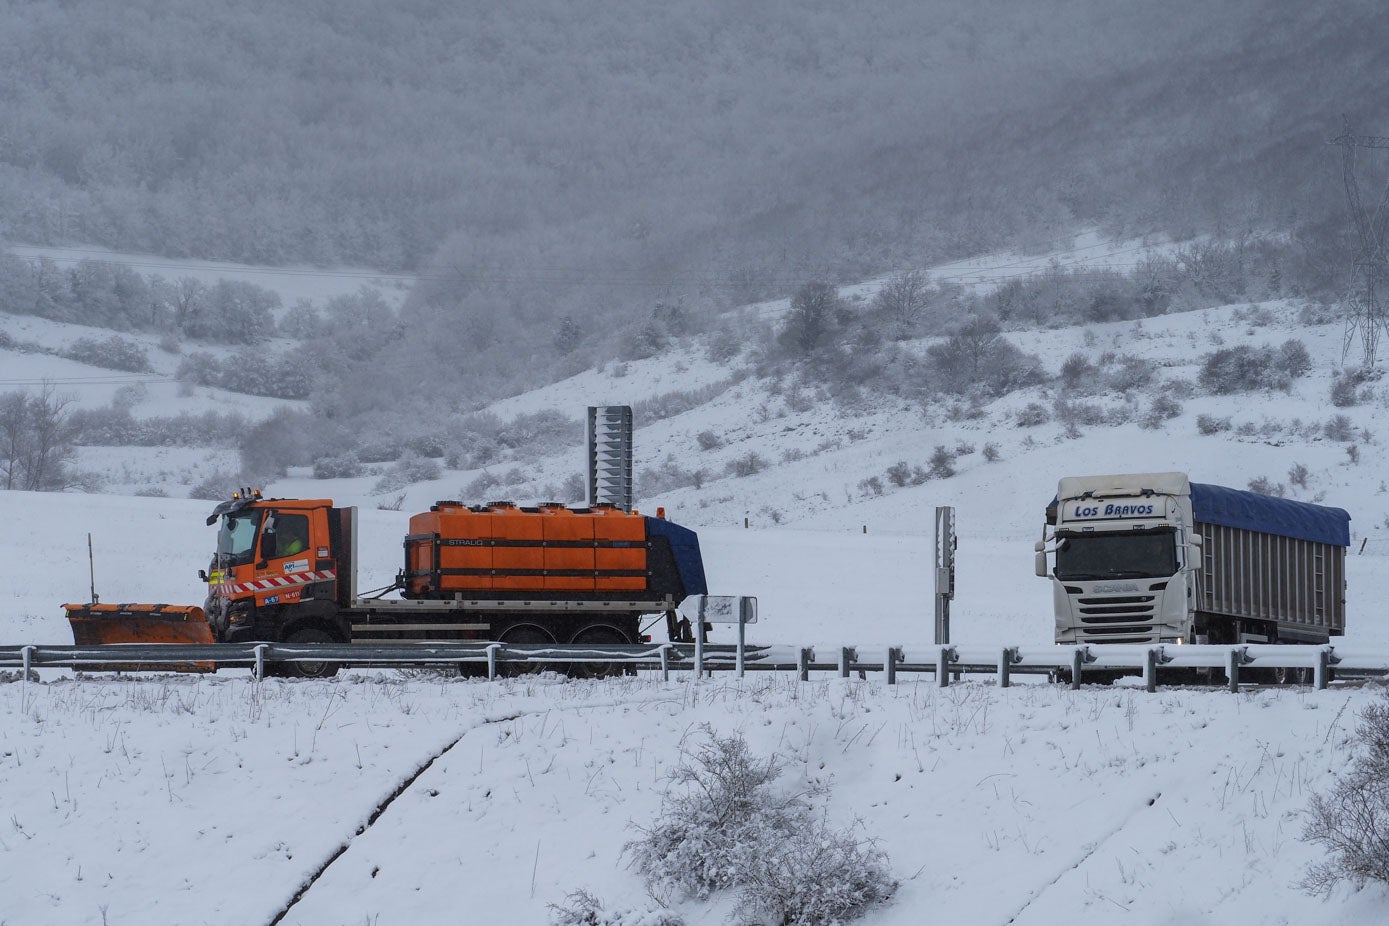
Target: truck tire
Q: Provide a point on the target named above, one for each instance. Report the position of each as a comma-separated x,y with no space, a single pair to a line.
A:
323,669
599,635
525,633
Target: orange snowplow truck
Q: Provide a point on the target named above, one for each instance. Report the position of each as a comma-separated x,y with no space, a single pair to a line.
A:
285,571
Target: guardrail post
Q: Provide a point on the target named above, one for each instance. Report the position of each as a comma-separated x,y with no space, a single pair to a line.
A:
742,641
259,670
492,660
1321,671
890,666
803,661
1150,669
699,653
665,662
846,658
1232,664
1005,666
1077,660
942,663
27,653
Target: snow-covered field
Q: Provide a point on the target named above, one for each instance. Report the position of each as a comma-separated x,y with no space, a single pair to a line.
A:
217,800
214,799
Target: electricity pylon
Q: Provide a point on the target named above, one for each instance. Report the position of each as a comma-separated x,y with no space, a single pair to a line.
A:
1367,315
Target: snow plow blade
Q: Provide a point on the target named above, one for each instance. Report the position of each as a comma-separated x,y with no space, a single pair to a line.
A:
102,624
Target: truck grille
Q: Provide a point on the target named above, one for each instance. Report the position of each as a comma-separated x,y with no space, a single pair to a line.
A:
1117,619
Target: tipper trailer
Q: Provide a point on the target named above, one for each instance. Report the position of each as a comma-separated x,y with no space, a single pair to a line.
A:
285,571
1156,558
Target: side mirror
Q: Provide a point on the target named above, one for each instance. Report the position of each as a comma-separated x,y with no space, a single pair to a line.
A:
1039,546
1041,564
1195,540
202,574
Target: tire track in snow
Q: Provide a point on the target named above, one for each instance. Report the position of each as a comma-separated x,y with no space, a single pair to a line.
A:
385,803
1100,843
381,808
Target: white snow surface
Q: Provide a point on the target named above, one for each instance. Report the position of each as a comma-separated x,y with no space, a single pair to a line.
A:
185,799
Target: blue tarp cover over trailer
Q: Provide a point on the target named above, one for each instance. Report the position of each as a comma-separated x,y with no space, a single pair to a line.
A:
1211,504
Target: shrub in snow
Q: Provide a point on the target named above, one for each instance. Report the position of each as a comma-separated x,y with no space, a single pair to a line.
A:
1034,414
1164,408
574,489
113,353
217,487
991,452
584,909
1077,370
723,346
726,826
1127,373
1296,360
1348,387
708,440
816,876
407,470
903,474
343,466
479,486
379,452
722,811
747,465
1081,413
1209,424
653,480
1351,821
1338,428
1264,486
942,463
1243,369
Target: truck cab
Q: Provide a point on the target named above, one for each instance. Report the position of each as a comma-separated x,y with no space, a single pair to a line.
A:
1124,559
274,572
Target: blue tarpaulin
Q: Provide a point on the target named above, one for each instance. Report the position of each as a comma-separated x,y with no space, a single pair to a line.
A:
1284,517
684,544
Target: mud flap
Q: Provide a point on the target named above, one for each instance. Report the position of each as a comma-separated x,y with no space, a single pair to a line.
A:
102,624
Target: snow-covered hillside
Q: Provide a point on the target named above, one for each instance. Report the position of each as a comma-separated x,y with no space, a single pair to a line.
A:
216,799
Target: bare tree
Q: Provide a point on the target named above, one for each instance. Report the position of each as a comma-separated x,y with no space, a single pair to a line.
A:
903,301
36,440
816,313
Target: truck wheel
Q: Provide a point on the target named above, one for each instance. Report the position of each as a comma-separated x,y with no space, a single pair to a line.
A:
598,635
319,669
525,633
1284,675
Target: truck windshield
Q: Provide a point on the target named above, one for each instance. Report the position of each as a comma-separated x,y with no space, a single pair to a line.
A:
1132,555
236,538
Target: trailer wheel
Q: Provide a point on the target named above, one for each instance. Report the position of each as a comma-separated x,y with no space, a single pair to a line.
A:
319,669
599,635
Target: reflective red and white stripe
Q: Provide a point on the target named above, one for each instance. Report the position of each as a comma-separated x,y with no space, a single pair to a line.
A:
274,582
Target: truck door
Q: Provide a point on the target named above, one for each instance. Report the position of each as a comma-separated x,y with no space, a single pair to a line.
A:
284,542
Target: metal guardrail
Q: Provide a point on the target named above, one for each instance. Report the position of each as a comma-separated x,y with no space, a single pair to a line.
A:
1187,664
496,656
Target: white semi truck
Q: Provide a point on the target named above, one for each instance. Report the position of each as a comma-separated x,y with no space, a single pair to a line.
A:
1156,558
